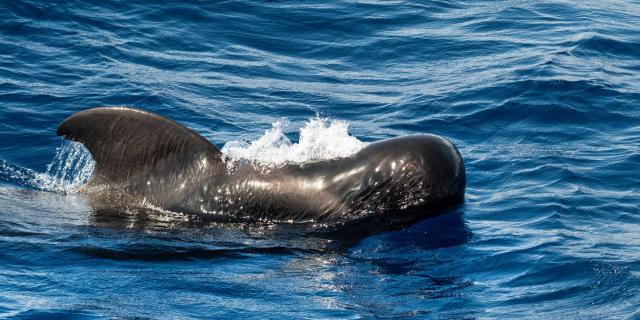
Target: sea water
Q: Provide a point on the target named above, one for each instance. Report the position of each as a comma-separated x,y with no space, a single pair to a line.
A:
541,98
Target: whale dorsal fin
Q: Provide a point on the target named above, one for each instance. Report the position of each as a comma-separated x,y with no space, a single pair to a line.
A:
130,144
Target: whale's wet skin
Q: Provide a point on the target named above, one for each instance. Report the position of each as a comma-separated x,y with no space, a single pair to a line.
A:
541,98
143,158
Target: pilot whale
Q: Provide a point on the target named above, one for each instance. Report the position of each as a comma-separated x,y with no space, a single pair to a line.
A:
147,159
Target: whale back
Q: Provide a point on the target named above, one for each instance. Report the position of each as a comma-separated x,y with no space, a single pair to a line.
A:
160,162
141,152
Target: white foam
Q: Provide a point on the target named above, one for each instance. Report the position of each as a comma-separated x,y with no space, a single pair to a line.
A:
71,167
320,139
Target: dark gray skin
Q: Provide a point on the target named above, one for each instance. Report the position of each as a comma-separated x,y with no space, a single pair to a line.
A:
146,159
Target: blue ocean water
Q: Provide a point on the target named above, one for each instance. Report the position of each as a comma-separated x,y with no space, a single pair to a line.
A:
541,98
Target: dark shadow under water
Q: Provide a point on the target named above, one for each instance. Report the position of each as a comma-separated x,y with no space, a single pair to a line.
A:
197,256
229,240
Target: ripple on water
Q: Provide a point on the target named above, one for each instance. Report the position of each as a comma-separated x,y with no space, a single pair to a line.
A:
541,98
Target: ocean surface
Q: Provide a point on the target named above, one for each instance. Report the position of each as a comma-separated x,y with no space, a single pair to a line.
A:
541,97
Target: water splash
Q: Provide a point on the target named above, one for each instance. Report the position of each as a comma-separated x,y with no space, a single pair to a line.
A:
71,167
320,139
17,175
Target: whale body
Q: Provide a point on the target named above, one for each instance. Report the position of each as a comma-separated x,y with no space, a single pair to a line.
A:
146,159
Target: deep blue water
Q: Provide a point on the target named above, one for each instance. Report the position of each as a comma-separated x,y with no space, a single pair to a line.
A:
542,99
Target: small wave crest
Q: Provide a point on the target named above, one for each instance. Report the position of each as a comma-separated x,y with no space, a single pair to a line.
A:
71,167
320,139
